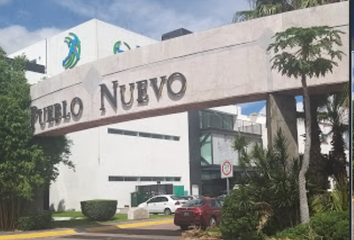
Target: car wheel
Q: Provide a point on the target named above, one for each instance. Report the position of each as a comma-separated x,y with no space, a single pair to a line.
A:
184,227
167,211
212,222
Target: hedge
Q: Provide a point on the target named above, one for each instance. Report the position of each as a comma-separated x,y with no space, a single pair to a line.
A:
324,226
35,221
99,210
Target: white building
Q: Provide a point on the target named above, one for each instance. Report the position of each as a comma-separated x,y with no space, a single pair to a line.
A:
183,149
111,160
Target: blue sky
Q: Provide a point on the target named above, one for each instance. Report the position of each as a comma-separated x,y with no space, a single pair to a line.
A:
24,22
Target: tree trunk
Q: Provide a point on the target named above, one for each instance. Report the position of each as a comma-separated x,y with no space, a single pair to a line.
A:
317,174
339,158
304,207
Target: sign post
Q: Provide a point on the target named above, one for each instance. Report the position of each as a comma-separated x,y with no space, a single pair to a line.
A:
227,172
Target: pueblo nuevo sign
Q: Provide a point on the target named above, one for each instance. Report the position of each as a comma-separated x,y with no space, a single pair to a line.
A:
55,113
221,66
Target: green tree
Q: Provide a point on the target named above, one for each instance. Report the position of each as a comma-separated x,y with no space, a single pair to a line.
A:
268,200
262,8
302,53
25,165
337,116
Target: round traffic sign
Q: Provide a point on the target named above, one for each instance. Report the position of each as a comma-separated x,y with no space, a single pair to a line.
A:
226,168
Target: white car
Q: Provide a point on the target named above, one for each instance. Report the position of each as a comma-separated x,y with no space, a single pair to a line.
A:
166,204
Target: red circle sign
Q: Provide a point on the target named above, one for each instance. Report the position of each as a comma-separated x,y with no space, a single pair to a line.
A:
226,168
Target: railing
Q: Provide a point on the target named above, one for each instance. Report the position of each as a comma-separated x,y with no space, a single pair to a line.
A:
248,127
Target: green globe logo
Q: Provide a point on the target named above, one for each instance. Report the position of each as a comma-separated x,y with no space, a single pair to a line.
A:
118,47
74,46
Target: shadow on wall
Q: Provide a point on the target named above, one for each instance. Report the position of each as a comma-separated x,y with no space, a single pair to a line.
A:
60,208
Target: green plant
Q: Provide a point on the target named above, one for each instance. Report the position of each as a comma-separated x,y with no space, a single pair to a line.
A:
337,200
100,210
35,222
26,165
306,53
324,226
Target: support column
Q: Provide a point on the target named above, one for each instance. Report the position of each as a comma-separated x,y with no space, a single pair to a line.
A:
281,113
195,167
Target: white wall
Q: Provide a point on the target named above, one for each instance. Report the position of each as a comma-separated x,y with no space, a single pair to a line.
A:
97,154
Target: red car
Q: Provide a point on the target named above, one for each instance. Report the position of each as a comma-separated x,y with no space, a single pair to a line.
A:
199,212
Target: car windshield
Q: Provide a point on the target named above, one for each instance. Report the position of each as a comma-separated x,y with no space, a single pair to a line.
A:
176,198
195,203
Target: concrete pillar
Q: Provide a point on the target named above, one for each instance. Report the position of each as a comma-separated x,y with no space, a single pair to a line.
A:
281,113
195,167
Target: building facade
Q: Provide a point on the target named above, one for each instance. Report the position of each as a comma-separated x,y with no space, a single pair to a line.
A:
110,161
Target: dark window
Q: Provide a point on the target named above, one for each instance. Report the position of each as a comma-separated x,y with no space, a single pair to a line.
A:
163,199
142,134
115,131
130,133
195,203
112,178
146,179
214,203
176,198
158,179
153,200
131,179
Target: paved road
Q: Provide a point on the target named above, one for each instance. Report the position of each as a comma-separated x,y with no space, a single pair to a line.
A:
156,232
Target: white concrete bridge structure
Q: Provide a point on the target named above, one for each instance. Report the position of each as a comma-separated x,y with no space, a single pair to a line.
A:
221,66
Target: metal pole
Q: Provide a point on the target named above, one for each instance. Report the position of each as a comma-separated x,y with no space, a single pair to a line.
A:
227,186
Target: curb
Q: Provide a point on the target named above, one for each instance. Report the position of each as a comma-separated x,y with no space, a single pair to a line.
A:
91,229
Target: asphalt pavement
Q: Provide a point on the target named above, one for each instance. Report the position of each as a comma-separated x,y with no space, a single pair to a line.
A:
147,230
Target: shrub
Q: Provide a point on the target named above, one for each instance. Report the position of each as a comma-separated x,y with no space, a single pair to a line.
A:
331,225
99,210
35,222
239,221
324,226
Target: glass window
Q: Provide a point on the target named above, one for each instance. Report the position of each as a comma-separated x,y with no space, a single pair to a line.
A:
176,198
195,203
131,179
147,179
113,179
142,134
163,199
157,179
114,131
130,133
206,149
153,200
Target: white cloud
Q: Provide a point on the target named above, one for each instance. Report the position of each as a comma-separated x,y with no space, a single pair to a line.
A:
17,37
154,18
3,2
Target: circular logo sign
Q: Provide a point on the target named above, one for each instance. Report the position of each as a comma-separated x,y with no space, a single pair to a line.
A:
226,168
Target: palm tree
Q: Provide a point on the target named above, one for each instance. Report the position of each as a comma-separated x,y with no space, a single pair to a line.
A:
337,116
261,8
306,61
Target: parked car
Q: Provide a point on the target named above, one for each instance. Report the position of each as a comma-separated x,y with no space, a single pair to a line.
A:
166,204
200,212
